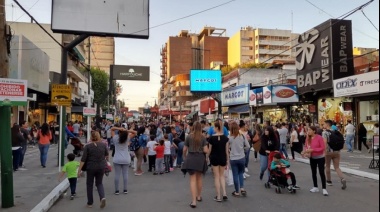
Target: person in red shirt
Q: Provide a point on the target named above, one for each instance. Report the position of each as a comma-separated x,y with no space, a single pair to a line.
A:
159,148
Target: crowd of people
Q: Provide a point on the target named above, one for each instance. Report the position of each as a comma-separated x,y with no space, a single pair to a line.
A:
191,148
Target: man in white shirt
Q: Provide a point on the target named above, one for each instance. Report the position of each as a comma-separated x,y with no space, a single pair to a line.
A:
283,132
76,128
151,153
350,135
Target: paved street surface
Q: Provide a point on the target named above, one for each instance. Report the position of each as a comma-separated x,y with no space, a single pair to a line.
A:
170,192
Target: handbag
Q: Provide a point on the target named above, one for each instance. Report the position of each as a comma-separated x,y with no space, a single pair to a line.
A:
108,168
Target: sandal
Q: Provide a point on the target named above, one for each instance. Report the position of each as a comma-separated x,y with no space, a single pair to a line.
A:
199,199
225,198
235,194
216,199
192,206
243,192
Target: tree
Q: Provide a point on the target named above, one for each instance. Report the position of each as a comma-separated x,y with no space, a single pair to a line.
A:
100,81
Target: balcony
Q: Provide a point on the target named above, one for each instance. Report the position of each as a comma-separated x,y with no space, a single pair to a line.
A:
74,73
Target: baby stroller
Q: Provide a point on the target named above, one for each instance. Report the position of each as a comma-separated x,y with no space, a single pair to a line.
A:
78,146
275,178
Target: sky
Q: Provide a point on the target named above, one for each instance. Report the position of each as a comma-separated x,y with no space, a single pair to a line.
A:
297,15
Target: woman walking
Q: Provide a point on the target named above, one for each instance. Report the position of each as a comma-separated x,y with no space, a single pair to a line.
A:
239,144
256,140
269,143
295,144
44,136
140,152
194,154
218,154
121,158
362,136
315,150
17,140
94,156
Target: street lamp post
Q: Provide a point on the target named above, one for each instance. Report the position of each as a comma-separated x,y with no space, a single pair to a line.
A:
180,103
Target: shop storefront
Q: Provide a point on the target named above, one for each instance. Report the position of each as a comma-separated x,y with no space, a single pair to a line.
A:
236,99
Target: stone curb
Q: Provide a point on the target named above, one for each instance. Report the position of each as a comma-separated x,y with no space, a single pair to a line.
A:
348,171
52,197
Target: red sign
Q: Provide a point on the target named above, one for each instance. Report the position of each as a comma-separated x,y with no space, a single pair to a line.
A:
285,93
312,109
12,90
206,105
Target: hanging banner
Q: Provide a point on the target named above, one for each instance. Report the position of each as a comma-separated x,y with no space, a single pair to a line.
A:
252,97
267,94
13,92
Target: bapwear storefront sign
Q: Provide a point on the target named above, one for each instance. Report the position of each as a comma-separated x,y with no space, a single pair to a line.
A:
357,84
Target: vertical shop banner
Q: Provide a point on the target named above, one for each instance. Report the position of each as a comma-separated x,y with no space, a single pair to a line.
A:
252,97
324,53
13,92
267,94
284,93
236,96
259,96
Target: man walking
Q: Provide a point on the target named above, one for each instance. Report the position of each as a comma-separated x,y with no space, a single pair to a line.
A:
24,145
283,132
350,135
333,156
76,127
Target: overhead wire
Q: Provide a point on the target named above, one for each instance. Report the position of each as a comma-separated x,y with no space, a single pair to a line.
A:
370,20
24,13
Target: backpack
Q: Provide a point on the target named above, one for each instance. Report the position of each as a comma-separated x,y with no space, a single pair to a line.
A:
335,140
135,144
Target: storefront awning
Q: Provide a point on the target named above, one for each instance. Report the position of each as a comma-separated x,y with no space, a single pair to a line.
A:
191,115
239,109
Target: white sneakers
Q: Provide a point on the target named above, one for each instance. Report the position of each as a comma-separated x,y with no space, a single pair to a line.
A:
245,175
316,190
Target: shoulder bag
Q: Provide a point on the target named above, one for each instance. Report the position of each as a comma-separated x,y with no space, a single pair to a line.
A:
256,142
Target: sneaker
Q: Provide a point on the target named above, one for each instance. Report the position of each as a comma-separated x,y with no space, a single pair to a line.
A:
103,203
117,193
290,189
161,173
246,170
22,169
329,183
314,190
296,187
125,191
261,176
246,175
155,173
138,174
344,184
71,197
325,193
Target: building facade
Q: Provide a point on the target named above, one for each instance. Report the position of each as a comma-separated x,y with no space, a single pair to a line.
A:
258,45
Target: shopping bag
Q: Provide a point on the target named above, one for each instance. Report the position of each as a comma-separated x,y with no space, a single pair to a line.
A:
229,177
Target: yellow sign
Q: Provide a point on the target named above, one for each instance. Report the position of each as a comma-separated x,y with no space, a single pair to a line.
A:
61,95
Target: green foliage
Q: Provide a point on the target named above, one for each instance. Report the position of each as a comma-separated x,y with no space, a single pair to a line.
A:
99,84
228,69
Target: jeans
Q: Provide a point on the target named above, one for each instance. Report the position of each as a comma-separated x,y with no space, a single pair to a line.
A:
180,153
349,140
44,148
320,164
16,158
152,162
121,169
96,174
263,164
237,167
283,150
167,163
23,151
247,158
159,165
73,185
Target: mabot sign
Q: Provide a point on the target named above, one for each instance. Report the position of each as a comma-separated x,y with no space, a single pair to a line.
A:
61,95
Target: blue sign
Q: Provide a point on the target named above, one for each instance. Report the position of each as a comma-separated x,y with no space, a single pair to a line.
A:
236,96
205,80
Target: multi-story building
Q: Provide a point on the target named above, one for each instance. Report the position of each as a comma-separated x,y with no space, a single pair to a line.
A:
257,45
182,53
102,52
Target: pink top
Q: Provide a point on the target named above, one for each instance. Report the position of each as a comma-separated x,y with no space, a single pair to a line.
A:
318,146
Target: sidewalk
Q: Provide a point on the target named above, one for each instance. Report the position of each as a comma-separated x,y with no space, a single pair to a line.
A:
34,184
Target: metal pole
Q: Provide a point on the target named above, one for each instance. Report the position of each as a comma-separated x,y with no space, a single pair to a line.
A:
60,144
7,196
89,89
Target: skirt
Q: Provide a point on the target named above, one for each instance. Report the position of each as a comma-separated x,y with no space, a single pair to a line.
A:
195,162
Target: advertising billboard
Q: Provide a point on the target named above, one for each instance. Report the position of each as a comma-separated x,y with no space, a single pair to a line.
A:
323,54
135,73
357,84
267,94
13,92
206,81
252,97
236,95
284,93
259,96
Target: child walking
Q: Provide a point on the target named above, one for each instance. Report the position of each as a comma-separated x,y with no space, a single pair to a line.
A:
167,153
71,169
151,153
159,148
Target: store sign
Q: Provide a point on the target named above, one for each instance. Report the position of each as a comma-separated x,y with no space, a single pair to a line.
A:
267,94
29,63
357,84
89,111
235,96
284,93
135,73
324,53
109,117
252,97
61,95
13,92
205,80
